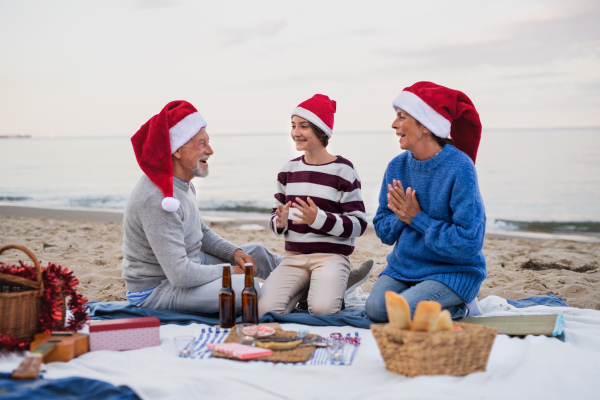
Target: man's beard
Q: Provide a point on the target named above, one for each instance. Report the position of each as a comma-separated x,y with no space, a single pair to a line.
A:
200,172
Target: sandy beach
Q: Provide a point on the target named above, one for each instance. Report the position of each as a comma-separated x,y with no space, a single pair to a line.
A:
89,243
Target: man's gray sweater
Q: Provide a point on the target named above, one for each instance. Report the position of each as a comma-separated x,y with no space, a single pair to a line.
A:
160,245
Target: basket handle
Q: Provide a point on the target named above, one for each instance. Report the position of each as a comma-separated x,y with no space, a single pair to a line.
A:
23,281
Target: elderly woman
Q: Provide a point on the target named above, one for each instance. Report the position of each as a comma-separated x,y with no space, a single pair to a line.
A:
430,208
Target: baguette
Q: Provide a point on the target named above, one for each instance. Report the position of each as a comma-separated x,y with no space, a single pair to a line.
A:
445,321
397,310
426,316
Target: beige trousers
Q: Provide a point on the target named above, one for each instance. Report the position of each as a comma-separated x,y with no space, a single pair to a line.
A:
324,275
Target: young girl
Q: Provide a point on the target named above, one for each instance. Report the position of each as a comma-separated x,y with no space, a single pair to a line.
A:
320,211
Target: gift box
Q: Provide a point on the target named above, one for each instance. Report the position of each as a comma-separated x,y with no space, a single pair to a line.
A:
124,333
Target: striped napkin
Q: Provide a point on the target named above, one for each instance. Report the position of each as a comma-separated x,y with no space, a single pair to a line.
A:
218,335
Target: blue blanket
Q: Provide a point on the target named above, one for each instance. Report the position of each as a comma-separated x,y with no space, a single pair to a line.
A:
355,316
66,388
121,309
548,300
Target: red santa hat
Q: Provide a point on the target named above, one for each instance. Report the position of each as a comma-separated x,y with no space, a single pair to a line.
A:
319,110
445,112
161,136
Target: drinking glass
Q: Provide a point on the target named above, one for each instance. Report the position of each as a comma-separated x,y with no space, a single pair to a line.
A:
336,348
184,346
247,333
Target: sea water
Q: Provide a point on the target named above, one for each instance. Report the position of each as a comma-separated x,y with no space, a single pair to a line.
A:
545,180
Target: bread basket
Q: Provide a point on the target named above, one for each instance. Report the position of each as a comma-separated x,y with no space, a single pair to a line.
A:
415,353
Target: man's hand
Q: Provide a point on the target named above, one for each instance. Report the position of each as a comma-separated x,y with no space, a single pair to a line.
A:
241,258
282,215
308,211
404,205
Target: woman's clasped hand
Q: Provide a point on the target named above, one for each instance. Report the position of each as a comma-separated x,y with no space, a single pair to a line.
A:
404,205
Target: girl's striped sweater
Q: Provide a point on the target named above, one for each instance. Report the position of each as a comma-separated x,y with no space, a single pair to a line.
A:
336,190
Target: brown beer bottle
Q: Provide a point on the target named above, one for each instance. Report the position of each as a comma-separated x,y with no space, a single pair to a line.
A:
226,300
249,297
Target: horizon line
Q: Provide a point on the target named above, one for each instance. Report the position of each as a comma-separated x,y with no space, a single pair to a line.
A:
30,136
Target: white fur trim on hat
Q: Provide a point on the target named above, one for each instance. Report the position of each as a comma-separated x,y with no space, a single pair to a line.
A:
185,129
312,117
170,204
423,112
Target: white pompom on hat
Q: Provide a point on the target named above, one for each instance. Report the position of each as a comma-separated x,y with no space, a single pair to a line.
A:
319,110
159,138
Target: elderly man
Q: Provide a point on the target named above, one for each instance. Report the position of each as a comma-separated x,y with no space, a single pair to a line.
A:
172,260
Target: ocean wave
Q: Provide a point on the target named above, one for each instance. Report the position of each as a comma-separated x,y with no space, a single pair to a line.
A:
14,198
45,199
111,201
557,227
118,202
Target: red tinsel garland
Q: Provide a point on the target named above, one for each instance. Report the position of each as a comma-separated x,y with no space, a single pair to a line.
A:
59,283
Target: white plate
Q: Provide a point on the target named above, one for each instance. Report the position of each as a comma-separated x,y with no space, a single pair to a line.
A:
265,331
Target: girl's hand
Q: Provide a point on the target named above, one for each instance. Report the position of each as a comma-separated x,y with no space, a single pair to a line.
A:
282,215
404,205
308,211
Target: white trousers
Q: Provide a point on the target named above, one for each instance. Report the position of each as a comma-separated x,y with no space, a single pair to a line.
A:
324,275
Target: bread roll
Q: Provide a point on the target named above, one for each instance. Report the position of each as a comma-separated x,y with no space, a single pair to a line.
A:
397,310
426,316
445,321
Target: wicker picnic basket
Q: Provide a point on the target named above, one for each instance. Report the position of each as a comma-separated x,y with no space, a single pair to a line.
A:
414,353
20,300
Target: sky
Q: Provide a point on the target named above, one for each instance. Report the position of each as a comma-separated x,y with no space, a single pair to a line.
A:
104,67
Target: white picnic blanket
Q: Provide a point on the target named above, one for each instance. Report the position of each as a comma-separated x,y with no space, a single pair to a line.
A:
536,367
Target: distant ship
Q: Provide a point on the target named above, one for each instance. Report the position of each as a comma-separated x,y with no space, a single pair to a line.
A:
15,136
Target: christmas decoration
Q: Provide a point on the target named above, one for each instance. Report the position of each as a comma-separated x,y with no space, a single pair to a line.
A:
59,284
445,112
160,137
319,110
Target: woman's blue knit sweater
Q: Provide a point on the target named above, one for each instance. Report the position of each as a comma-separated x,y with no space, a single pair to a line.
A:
444,241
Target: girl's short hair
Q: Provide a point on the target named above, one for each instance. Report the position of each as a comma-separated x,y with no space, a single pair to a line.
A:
320,134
